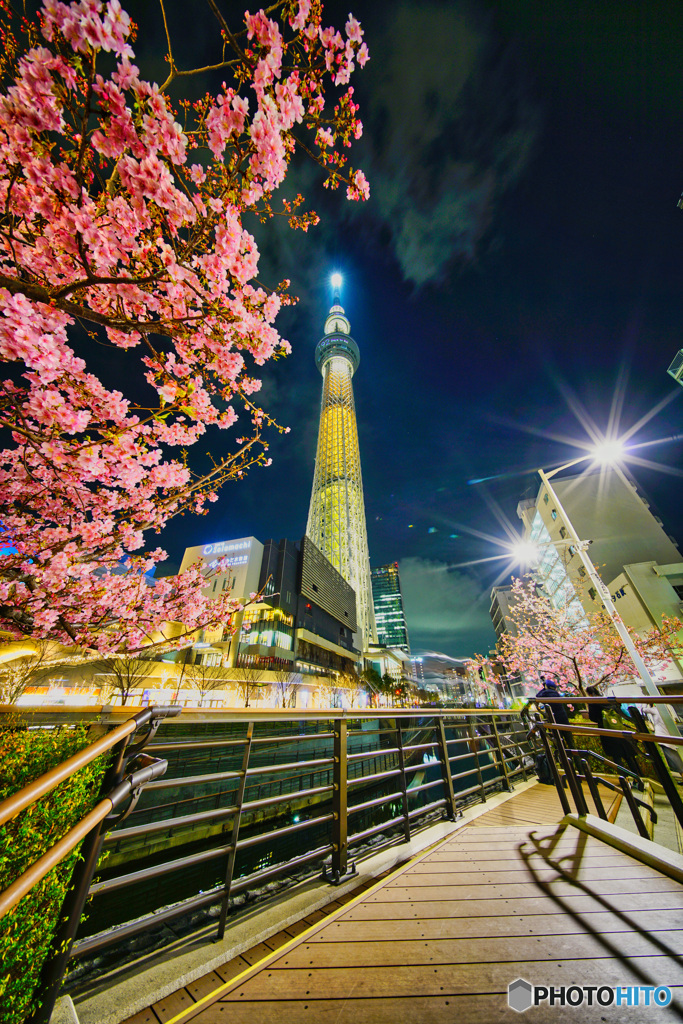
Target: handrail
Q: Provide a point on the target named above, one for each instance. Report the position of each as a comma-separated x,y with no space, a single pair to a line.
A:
646,737
326,777
24,883
568,758
19,801
89,831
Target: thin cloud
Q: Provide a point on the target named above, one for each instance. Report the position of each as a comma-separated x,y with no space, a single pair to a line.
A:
444,608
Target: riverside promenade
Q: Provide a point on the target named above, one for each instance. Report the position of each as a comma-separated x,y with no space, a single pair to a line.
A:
512,893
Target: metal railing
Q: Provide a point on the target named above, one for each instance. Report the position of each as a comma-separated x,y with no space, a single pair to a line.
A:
256,797
572,765
126,776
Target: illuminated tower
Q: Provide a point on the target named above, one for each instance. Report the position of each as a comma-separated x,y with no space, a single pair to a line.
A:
336,517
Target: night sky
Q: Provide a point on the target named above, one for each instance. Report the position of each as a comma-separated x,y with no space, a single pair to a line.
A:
517,273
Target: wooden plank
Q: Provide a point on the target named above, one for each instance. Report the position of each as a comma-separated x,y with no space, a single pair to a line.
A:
230,969
143,1017
309,920
516,890
468,875
512,924
466,863
204,985
395,910
412,952
282,937
442,1009
256,953
173,1004
494,855
383,982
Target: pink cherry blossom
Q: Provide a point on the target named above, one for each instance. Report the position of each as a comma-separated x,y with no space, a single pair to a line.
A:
576,648
108,226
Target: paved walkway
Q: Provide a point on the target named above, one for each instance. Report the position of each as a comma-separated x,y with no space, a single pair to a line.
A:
439,940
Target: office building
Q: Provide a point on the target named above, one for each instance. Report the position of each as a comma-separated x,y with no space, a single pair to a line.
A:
638,561
390,619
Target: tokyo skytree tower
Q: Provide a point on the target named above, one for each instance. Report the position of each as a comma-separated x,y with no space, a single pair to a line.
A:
336,517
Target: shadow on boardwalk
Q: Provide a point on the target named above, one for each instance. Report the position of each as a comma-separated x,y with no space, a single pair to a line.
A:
507,896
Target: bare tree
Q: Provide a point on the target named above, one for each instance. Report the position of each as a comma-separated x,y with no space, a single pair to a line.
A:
329,690
352,686
287,683
124,674
248,678
30,664
205,677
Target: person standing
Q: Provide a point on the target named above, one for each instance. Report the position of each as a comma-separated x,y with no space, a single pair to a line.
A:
615,748
558,712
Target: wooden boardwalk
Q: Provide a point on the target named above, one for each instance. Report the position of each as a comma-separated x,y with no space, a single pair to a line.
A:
508,895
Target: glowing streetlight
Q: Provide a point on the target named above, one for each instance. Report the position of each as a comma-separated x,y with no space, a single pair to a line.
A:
525,552
609,452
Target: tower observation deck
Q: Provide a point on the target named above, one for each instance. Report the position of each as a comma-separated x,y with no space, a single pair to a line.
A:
336,517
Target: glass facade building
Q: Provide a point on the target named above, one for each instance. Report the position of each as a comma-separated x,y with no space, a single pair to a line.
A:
390,618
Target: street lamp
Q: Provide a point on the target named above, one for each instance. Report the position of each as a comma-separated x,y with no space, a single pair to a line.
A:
525,552
603,455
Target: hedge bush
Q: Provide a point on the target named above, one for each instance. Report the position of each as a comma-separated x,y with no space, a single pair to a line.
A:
26,931
593,743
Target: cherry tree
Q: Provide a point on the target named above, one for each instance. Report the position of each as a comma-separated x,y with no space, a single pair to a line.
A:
121,229
546,641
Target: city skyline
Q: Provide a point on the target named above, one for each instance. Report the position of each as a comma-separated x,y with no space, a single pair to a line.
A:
550,151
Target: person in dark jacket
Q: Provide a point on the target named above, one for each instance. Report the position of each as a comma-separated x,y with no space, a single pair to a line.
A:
558,712
615,748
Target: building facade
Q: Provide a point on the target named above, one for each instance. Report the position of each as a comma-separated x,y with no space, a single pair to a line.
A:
501,602
638,561
608,510
390,618
336,517
303,622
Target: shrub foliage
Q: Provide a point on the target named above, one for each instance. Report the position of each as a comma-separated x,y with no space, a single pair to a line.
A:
27,930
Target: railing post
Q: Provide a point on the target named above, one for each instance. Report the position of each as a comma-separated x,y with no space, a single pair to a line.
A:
593,786
553,768
503,768
568,767
640,824
404,784
236,822
451,807
660,766
474,745
516,730
340,853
